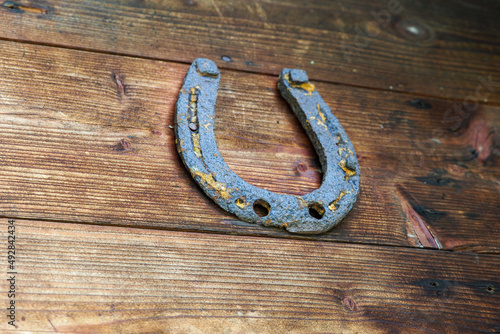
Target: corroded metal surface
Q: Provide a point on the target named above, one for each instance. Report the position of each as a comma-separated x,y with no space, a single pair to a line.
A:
312,213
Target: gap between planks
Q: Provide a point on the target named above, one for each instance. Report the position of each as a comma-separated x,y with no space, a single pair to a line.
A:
83,278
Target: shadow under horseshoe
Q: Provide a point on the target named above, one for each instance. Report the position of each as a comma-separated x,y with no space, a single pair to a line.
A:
313,213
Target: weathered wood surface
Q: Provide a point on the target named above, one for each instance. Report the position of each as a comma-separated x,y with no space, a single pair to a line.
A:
87,94
86,138
76,278
445,49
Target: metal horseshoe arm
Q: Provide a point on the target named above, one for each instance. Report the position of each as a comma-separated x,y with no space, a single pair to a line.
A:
312,213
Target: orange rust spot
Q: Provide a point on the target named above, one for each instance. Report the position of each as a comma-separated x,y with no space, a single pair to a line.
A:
348,172
320,122
240,202
307,86
196,144
334,205
321,113
208,179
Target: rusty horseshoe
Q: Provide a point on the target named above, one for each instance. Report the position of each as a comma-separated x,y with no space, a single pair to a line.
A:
313,213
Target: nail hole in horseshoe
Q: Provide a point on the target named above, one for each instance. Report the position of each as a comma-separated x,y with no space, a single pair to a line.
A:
261,208
240,202
316,210
340,140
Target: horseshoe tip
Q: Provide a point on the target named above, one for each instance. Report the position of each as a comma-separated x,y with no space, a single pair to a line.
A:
206,67
298,76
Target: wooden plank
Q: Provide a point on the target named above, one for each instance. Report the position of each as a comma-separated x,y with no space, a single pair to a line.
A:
445,49
83,278
86,138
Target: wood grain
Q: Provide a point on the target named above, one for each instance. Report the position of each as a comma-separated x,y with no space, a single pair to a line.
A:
76,278
113,235
445,49
86,138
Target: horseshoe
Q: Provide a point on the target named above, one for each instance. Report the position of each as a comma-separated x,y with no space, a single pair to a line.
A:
313,213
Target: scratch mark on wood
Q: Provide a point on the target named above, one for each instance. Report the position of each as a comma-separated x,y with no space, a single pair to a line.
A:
349,303
482,139
418,230
478,249
18,8
50,322
261,12
123,145
119,84
217,9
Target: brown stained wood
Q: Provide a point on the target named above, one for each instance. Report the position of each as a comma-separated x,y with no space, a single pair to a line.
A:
446,49
86,138
76,278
